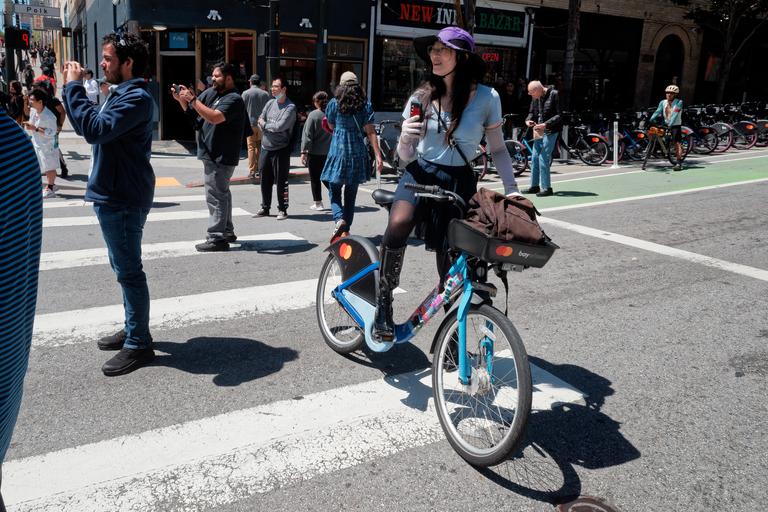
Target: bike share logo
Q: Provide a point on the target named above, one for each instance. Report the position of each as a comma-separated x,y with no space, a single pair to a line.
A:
504,251
345,251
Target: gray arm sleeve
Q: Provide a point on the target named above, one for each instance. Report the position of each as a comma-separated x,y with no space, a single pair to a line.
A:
501,159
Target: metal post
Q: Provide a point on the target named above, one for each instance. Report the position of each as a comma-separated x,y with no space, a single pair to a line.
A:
10,68
273,60
371,43
321,48
616,143
531,13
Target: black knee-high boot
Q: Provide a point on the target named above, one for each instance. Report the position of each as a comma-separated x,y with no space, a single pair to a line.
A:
389,271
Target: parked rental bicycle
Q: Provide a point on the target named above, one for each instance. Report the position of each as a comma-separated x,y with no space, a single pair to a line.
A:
481,378
589,147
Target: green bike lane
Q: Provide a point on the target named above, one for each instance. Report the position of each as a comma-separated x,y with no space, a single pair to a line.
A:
630,183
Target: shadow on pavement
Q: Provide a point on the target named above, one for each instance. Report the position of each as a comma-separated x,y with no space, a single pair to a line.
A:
268,247
327,216
574,193
231,361
569,435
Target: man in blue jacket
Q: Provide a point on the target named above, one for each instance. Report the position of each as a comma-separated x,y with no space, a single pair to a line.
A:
122,183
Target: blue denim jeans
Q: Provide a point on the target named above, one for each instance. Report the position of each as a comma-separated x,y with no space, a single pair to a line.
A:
122,228
540,160
345,210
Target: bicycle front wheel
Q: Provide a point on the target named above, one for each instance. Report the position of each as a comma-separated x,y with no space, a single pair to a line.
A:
339,331
484,421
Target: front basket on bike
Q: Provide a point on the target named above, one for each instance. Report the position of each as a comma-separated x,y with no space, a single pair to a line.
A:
464,237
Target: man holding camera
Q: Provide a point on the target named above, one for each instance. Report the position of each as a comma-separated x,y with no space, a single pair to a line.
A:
219,117
122,184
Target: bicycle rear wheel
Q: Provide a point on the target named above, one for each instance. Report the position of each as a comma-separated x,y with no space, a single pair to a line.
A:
706,140
340,332
596,152
519,155
724,137
485,420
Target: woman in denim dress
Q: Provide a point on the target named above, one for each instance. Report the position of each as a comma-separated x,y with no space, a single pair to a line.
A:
350,116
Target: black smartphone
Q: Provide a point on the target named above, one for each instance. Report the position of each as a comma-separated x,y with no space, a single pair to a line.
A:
417,110
177,88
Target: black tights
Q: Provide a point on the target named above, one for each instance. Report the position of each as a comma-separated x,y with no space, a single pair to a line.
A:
402,220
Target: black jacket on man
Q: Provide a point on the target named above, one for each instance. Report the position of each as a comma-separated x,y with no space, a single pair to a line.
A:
547,110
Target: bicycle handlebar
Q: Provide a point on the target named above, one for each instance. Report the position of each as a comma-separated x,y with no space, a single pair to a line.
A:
437,194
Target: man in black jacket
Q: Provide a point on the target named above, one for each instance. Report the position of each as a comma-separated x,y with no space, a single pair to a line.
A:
544,118
219,115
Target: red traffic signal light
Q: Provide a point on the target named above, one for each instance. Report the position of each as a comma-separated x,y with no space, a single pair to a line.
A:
16,38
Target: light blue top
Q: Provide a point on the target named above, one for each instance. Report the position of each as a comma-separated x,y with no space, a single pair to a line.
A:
483,110
675,116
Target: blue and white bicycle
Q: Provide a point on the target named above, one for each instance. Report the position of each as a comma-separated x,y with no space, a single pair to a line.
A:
481,378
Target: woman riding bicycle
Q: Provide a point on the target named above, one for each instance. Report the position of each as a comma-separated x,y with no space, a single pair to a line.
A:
457,112
672,109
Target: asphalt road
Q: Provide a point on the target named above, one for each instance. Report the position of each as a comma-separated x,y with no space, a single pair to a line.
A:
669,350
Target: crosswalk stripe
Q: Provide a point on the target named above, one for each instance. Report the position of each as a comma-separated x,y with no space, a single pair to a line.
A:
86,325
85,257
210,462
152,217
74,203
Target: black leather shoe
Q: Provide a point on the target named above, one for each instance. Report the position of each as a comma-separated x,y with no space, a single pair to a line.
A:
213,246
532,190
112,342
127,360
546,192
230,237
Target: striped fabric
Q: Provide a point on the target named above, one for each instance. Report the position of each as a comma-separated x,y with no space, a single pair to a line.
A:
21,221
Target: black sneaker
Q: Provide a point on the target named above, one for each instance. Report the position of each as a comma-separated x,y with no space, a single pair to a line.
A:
230,237
264,212
213,246
114,341
127,360
546,192
532,190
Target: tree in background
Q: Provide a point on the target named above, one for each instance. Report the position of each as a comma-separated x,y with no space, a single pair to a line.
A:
735,21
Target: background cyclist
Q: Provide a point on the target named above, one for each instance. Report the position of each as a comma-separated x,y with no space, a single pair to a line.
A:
672,108
458,111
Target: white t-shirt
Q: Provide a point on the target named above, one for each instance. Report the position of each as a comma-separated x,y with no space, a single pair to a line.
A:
482,111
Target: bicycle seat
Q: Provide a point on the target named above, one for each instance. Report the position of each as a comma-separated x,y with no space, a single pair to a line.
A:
383,197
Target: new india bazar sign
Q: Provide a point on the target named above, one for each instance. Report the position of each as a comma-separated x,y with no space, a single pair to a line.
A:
493,18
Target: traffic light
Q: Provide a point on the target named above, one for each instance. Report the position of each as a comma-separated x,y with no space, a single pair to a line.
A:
16,38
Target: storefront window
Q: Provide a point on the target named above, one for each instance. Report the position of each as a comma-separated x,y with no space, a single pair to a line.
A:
346,49
240,49
501,63
345,55
212,50
297,47
401,72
